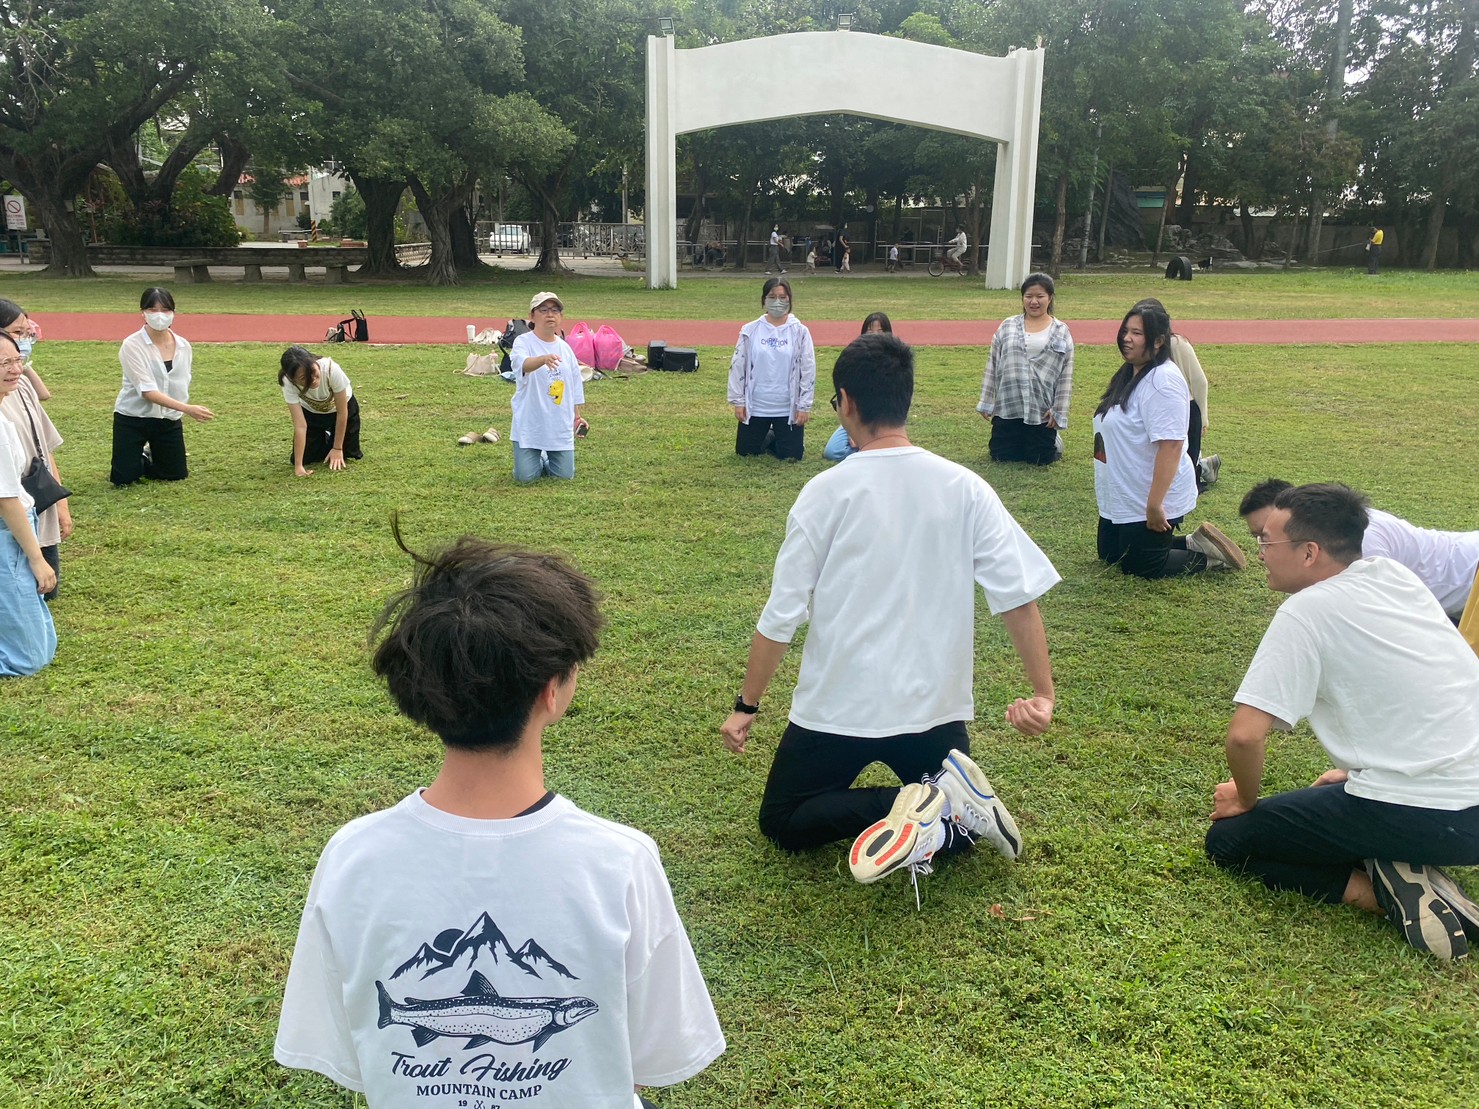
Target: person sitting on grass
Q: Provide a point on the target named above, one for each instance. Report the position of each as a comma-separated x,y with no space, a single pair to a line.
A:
448,940
325,412
1445,561
881,557
548,393
839,446
1363,650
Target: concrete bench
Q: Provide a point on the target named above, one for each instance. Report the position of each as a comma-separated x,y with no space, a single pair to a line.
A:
192,271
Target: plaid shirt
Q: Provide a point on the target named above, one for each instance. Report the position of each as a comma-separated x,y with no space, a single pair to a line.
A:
1016,388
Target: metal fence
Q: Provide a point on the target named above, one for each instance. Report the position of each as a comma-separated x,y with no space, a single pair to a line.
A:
585,239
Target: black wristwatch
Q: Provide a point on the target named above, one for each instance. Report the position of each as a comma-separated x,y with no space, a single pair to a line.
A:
740,706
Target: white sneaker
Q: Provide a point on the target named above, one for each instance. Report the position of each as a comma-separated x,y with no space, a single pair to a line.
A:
1208,467
972,805
906,839
1221,552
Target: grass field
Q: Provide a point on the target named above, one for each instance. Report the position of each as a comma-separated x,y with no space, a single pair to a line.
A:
210,719
1342,294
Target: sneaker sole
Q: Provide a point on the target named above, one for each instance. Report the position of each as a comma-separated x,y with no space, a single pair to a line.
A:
1001,829
1413,905
1456,899
1225,546
886,846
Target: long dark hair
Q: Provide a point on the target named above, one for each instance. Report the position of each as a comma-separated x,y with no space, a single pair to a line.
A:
1157,327
294,360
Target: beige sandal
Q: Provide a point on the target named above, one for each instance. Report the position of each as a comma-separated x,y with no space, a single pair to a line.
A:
489,436
468,440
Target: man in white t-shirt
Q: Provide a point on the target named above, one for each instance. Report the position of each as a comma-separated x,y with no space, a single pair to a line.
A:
548,393
1445,561
959,244
485,941
1391,690
881,558
777,240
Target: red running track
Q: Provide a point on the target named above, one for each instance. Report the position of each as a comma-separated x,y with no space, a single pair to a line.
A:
309,330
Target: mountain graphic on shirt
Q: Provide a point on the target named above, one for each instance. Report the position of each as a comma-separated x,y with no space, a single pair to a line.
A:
455,947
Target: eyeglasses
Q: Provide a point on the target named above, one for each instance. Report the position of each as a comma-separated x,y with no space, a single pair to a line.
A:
6,363
836,400
549,306
1262,542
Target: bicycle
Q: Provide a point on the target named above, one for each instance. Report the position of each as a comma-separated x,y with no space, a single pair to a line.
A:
940,263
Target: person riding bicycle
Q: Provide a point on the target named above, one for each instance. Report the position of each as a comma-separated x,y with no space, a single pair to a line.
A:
958,245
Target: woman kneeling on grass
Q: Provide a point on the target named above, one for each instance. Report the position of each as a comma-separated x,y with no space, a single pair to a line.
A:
1143,478
27,635
324,411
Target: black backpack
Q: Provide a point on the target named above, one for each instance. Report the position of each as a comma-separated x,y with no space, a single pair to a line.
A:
514,329
356,329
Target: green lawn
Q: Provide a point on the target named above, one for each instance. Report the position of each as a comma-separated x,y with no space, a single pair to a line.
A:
1336,294
210,720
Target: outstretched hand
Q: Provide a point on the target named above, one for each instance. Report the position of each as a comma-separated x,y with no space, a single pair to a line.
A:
1030,715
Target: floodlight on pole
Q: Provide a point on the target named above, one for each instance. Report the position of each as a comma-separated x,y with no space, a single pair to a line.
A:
844,20
665,25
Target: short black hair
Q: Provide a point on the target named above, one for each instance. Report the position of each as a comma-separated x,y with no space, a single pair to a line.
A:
877,370
10,311
1330,514
482,630
1263,495
881,319
156,297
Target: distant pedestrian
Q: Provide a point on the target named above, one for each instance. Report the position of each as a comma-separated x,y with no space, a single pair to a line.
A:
776,239
1373,250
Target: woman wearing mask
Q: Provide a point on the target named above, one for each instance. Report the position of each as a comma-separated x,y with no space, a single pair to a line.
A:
27,635
1143,479
38,436
1029,380
16,323
148,440
772,378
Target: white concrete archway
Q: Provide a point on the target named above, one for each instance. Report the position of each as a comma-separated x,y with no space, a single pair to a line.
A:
998,99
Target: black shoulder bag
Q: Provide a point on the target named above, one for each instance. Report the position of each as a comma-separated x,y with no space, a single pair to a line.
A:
38,479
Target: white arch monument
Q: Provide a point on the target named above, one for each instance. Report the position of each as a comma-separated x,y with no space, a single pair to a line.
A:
998,99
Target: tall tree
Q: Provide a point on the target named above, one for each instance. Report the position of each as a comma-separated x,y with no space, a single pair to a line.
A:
79,77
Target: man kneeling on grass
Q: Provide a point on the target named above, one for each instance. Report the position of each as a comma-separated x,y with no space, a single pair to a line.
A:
1391,689
485,939
882,557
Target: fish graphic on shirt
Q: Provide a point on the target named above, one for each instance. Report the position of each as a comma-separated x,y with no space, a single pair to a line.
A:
483,1015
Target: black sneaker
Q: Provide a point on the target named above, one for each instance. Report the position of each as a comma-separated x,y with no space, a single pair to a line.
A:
1457,900
1406,894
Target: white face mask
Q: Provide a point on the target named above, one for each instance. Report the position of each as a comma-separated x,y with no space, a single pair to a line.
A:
159,321
25,344
777,307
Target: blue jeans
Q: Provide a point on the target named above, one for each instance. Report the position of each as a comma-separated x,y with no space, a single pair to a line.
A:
838,447
531,463
27,635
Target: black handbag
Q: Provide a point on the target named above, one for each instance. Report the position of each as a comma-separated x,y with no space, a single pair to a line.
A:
38,479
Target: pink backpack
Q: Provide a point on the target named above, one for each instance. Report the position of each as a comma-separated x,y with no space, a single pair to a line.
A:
609,348
583,343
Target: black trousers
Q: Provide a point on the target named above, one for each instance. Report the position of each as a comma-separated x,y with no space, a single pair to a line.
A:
321,434
1019,441
1145,553
1373,265
1310,840
809,799
53,556
776,434
165,440
1194,434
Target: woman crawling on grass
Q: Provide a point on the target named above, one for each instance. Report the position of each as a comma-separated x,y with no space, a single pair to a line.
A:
324,411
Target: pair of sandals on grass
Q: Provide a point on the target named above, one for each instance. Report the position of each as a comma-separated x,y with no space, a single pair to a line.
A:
582,429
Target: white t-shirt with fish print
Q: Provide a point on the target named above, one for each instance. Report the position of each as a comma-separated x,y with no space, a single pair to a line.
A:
444,962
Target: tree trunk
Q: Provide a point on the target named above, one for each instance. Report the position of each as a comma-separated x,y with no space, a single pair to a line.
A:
64,233
1060,224
1245,220
437,212
898,219
382,196
1436,216
1186,216
744,233
464,241
1104,214
234,159
549,222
